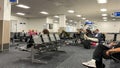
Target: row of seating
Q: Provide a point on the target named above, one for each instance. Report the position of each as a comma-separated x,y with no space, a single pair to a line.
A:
43,43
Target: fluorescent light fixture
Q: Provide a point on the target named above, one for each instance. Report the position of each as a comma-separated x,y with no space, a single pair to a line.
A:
113,19
43,12
70,20
83,18
56,16
20,13
103,10
23,6
55,21
71,11
71,24
102,1
104,17
75,22
104,14
78,15
104,20
87,20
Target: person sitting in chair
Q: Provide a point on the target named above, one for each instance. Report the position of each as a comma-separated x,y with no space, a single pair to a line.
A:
106,51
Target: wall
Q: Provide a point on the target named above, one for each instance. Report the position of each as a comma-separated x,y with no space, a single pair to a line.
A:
36,24
16,26
108,26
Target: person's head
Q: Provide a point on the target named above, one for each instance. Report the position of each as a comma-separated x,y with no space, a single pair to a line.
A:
22,30
96,31
32,30
88,31
45,31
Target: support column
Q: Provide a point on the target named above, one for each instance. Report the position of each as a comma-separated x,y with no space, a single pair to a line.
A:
62,22
78,25
5,14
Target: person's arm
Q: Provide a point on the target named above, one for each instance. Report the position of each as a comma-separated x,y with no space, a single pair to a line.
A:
113,51
92,39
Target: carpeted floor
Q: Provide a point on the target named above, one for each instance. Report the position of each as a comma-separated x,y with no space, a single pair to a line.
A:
72,57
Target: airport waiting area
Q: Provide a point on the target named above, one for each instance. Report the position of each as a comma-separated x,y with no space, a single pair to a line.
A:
51,51
59,34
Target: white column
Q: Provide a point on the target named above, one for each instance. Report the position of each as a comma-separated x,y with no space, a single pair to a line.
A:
5,14
62,22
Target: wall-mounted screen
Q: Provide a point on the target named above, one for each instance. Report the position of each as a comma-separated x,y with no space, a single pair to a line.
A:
50,26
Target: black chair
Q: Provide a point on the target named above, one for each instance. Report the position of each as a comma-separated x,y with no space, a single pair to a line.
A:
54,41
35,50
50,45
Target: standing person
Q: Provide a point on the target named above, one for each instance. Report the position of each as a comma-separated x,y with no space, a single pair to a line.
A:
107,51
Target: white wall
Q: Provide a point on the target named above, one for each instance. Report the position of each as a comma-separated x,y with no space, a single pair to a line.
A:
16,26
108,26
31,24
36,24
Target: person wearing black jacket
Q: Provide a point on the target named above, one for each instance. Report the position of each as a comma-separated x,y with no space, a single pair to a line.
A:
87,42
106,51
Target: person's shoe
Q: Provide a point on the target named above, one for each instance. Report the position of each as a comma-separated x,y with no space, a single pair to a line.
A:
90,63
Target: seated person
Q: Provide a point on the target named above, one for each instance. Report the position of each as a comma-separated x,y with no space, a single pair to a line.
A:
104,51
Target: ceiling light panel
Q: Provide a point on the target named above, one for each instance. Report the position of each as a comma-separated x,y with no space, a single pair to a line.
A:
20,13
104,20
113,19
43,12
102,1
79,15
103,10
83,18
23,6
56,16
71,11
104,14
104,17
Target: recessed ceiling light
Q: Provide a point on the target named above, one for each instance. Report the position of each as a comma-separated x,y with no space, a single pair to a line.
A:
23,6
71,24
113,19
104,17
103,10
20,13
78,15
105,20
43,12
104,14
75,22
87,20
71,11
102,1
56,16
83,18
55,21
70,20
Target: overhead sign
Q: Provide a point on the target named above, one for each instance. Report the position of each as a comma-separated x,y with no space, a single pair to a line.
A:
116,14
88,23
13,0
